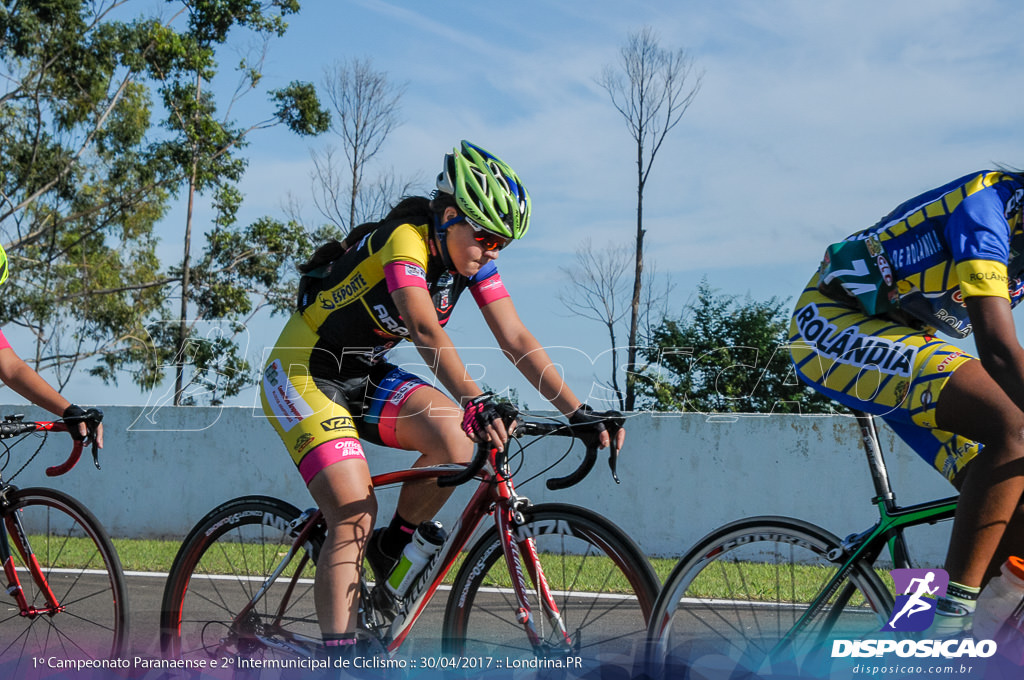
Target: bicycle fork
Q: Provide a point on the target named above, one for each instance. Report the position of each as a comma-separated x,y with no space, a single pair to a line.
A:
520,548
12,527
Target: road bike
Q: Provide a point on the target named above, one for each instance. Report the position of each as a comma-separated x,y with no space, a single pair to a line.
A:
550,581
770,593
66,589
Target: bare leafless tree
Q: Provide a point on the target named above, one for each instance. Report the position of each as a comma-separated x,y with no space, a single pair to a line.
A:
366,105
652,88
599,292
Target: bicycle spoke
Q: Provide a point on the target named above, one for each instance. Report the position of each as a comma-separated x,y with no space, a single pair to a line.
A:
219,572
742,591
78,564
598,583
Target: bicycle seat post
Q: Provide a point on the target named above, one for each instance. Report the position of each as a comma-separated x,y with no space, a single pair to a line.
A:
876,461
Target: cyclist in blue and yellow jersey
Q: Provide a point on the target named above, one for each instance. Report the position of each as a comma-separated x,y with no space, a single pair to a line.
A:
21,378
864,331
328,383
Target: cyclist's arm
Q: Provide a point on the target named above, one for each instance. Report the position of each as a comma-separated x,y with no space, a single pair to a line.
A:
998,348
523,349
21,378
436,348
433,343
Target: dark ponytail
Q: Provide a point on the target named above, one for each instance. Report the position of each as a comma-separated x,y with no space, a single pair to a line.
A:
325,254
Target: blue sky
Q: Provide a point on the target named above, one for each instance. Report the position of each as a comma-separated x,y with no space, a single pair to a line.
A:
814,120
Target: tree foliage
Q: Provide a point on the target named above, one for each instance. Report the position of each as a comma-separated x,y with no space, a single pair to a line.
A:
80,189
724,354
204,144
89,171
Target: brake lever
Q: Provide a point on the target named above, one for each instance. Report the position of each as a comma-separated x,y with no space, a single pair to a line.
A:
613,459
95,452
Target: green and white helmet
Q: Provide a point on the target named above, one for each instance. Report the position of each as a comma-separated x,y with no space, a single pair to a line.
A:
3,265
487,190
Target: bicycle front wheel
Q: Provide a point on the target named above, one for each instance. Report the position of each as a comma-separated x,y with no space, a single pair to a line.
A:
763,593
602,586
210,606
77,605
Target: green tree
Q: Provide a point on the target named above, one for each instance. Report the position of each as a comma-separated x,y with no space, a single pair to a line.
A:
725,355
80,190
205,144
88,173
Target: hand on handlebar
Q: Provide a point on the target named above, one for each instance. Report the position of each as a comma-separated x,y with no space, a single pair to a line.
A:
486,420
85,424
585,414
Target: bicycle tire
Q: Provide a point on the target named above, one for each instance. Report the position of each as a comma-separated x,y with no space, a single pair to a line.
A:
604,588
82,570
220,566
740,590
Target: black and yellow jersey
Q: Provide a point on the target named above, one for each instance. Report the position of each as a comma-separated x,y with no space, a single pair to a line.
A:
353,313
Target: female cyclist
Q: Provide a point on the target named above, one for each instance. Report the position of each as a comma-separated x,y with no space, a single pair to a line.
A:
863,333
327,384
20,377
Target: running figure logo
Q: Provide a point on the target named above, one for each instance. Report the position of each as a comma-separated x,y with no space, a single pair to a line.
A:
915,608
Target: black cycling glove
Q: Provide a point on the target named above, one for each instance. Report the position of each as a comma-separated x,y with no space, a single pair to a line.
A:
73,415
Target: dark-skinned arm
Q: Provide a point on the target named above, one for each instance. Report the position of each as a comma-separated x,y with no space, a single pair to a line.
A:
995,336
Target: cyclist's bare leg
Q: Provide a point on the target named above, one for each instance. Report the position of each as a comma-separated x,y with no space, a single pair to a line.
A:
344,494
1012,543
992,485
430,423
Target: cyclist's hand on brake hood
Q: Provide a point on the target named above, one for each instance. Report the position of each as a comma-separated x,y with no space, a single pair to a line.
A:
487,420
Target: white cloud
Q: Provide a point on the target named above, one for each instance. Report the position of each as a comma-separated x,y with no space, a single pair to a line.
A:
814,120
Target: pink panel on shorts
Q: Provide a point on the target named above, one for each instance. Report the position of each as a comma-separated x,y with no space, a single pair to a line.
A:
329,453
392,407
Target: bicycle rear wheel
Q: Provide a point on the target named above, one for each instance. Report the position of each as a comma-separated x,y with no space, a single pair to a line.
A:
602,584
79,566
219,569
745,592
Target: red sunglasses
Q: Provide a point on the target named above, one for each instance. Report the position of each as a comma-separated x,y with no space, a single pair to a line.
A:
488,240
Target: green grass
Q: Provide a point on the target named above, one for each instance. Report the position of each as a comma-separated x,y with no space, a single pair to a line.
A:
157,556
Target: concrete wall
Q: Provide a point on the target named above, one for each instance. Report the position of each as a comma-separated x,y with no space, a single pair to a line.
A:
682,475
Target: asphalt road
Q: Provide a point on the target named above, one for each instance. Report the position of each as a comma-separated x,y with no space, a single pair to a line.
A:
607,616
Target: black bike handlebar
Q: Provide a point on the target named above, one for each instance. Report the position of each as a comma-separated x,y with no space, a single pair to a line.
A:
588,433
14,426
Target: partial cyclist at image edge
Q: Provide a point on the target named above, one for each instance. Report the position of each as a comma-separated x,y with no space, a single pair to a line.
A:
20,377
327,383
864,332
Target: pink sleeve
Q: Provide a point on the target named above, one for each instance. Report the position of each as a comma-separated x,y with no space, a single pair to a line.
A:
489,290
404,274
3,341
